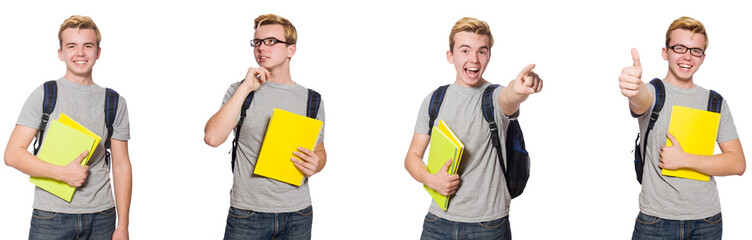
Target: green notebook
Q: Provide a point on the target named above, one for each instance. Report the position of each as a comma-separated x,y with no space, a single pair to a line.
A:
444,146
62,144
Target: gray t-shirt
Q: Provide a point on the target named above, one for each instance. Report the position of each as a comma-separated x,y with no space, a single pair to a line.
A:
85,104
482,195
671,197
254,192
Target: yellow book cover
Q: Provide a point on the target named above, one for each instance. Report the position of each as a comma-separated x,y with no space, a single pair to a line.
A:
444,128
696,131
286,132
61,145
444,146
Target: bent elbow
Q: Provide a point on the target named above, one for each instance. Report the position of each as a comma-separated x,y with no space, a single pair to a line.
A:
213,142
9,159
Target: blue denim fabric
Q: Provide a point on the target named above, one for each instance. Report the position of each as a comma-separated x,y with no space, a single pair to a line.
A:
648,228
53,225
245,224
438,228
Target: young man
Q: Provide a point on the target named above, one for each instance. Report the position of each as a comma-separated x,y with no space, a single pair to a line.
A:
671,207
91,212
479,208
263,208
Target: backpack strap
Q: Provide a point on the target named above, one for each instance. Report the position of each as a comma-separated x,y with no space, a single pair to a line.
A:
517,168
660,99
715,102
435,105
314,101
243,110
110,111
48,105
488,115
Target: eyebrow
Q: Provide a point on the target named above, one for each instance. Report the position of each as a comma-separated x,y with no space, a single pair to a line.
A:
468,46
74,43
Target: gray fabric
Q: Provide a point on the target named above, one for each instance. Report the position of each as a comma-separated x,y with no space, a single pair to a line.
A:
85,104
257,193
482,195
671,197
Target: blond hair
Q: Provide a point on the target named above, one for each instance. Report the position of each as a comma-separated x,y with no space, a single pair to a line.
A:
291,35
689,24
78,22
468,24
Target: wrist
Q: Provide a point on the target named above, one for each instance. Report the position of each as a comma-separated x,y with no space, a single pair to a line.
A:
427,177
56,172
122,224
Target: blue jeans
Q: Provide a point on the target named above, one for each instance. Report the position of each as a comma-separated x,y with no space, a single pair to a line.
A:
438,228
53,225
648,227
245,224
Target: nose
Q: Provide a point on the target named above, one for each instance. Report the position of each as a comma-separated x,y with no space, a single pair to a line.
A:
260,47
687,56
80,51
474,58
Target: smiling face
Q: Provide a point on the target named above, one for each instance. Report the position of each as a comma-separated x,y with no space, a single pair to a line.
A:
271,57
470,56
681,67
79,51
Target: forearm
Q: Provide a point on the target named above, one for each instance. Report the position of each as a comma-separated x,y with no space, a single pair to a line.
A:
417,168
724,164
21,159
510,100
641,102
220,125
122,179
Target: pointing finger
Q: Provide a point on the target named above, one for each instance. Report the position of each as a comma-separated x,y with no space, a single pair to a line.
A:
525,71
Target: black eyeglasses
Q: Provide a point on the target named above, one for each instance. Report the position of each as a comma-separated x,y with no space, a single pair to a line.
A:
267,41
681,49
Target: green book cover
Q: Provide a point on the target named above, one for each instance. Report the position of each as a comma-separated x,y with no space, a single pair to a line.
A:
62,144
442,149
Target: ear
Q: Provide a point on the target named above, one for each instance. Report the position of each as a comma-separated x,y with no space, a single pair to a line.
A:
99,52
291,50
60,54
664,53
449,57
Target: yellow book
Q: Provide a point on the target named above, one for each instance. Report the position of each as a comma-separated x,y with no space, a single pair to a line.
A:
444,146
286,132
696,131
62,144
444,128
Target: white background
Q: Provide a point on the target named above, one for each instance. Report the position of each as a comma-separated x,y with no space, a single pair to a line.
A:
374,62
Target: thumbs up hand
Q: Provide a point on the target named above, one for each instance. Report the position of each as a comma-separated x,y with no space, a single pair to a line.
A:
630,80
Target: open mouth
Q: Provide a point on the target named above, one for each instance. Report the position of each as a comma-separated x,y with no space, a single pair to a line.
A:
472,72
80,62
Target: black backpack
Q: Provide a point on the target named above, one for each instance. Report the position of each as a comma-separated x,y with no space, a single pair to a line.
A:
715,102
517,170
312,110
48,105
